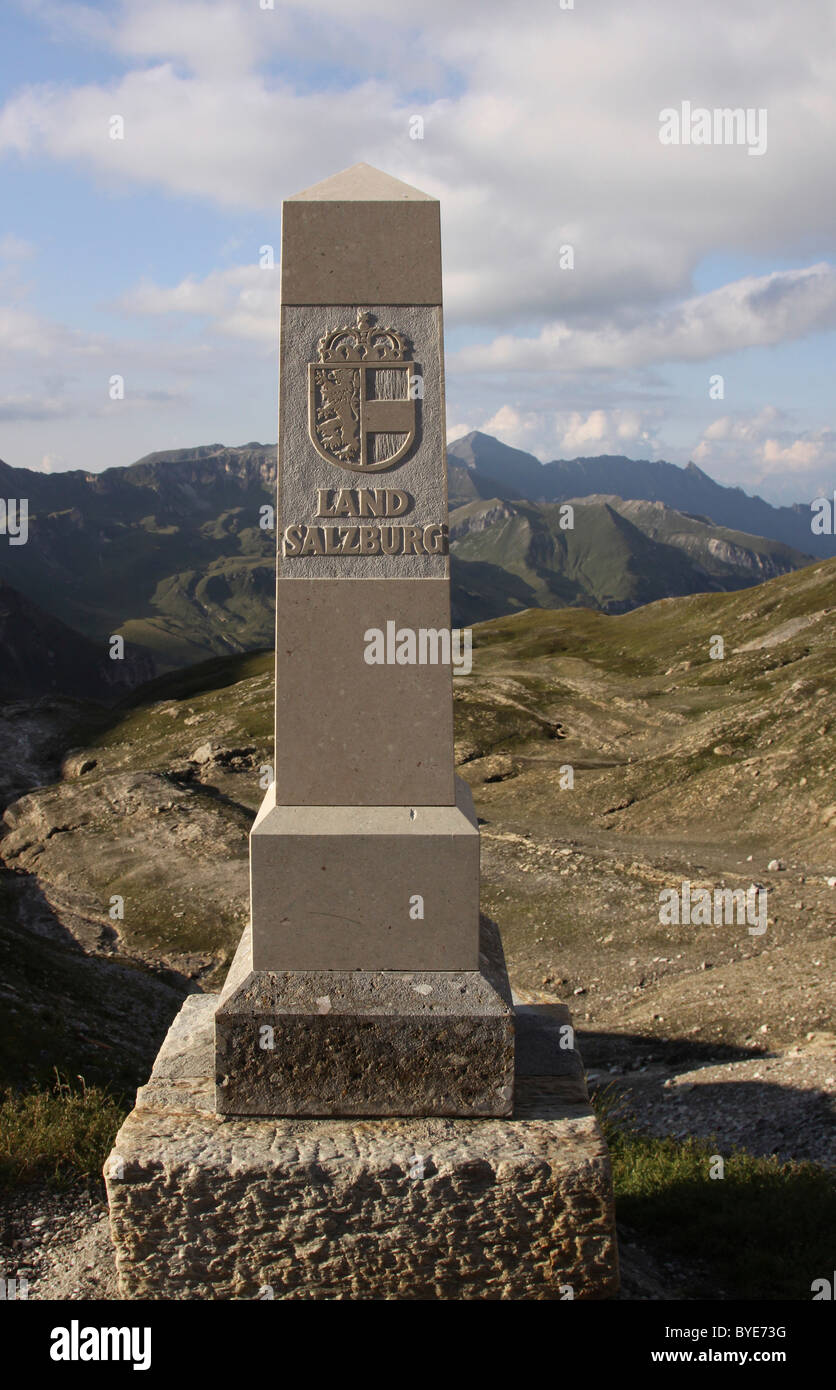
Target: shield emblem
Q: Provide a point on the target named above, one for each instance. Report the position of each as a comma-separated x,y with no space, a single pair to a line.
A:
361,397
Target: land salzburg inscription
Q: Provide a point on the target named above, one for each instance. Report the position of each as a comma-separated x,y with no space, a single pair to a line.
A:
363,395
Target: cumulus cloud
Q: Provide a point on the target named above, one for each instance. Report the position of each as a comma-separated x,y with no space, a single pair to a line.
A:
52,463
541,129
241,302
541,133
767,448
804,454
573,433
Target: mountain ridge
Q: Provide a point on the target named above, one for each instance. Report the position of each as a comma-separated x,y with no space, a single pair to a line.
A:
685,489
170,552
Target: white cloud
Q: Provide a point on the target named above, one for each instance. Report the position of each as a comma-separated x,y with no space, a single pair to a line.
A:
756,311
24,332
766,448
52,463
805,454
541,130
567,434
241,302
751,428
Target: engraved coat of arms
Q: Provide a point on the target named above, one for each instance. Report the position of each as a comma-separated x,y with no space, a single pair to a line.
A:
361,396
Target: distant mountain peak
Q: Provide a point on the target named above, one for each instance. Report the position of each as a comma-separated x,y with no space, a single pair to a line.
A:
689,490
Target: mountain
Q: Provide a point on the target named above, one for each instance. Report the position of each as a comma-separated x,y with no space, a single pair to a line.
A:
687,490
169,552
510,555
469,484
42,656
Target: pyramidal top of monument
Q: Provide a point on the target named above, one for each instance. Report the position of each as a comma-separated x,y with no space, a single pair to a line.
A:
361,183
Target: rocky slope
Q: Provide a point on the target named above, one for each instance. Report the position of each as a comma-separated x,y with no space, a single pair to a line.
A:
718,771
615,556
44,657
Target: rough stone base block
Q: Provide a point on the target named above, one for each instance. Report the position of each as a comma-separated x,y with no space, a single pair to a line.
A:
385,1042
203,1207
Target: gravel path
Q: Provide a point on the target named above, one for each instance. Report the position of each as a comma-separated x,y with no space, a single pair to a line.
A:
59,1241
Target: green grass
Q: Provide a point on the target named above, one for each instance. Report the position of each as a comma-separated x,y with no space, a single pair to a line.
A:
763,1231
57,1135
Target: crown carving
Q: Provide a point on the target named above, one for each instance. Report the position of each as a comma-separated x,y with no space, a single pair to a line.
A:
365,342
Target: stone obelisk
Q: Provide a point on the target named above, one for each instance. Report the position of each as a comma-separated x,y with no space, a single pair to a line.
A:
363,985
353,1116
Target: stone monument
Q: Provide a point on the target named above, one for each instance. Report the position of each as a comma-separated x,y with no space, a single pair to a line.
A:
342,1120
357,988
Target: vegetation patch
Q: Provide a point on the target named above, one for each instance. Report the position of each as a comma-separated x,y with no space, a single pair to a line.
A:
60,1134
761,1231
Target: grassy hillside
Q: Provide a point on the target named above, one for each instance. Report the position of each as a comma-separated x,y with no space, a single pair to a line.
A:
615,556
685,765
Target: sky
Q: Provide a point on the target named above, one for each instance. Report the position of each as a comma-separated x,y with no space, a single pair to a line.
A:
619,277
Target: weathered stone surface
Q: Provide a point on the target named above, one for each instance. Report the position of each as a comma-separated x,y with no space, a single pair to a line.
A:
359,1042
303,472
207,1208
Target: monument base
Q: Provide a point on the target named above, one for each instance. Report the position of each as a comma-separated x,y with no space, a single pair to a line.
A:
359,1042
203,1207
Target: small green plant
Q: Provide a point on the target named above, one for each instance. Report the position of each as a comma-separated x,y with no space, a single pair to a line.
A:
58,1134
761,1231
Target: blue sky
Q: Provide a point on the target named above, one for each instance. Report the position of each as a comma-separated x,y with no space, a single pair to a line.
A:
140,257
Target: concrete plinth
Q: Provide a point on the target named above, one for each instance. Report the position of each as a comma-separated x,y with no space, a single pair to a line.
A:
366,1042
203,1207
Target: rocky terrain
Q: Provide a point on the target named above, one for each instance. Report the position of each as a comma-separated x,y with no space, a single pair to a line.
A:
611,758
59,1241
683,767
